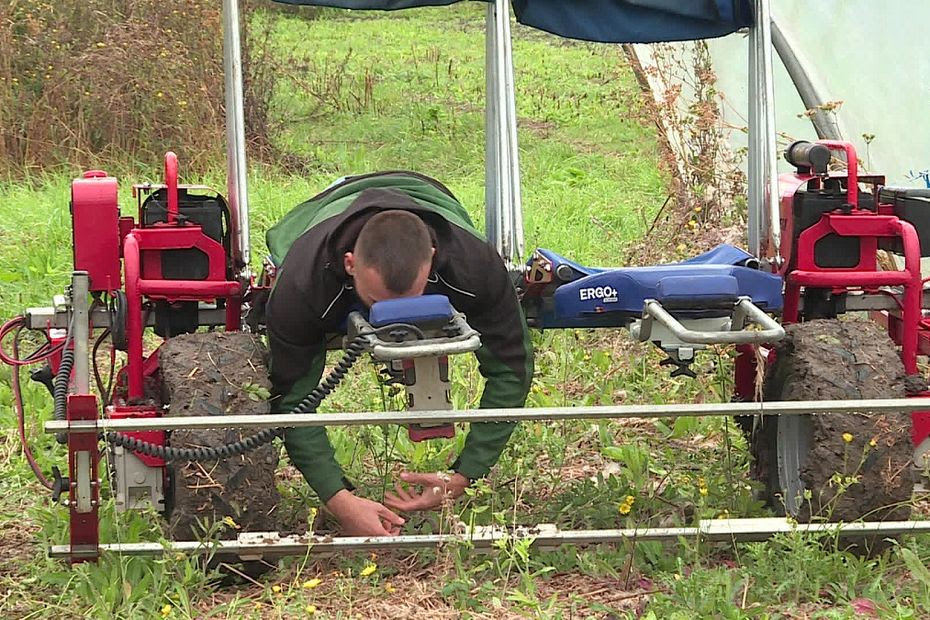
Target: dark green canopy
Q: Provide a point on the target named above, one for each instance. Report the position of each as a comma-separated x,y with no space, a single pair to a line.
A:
605,21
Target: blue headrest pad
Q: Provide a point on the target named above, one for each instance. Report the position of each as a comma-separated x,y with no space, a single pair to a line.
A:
422,309
697,287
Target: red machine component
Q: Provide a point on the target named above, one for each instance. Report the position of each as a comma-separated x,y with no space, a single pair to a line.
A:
171,179
141,250
872,228
95,226
84,486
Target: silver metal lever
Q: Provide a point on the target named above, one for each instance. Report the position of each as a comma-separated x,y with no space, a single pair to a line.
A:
744,310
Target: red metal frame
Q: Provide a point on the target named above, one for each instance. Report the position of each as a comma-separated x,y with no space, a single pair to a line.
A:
85,532
154,239
171,180
744,371
907,328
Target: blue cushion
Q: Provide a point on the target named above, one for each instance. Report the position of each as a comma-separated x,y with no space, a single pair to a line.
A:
598,297
675,292
416,310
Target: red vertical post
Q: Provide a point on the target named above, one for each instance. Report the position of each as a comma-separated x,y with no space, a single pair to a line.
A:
84,486
171,181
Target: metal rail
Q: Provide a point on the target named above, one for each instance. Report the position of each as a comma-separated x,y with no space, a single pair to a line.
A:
236,176
825,125
888,405
258,545
762,174
80,294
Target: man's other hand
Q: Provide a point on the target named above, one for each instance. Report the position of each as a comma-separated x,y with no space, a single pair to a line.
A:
363,517
434,489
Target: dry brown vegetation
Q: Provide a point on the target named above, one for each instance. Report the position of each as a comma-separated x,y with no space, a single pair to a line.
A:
100,81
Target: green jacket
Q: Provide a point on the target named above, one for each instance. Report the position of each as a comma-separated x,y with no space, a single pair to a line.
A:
313,295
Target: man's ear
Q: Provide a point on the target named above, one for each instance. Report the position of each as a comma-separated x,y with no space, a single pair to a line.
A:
348,262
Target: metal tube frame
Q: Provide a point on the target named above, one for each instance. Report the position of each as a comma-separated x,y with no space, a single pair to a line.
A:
80,293
263,545
763,214
503,203
744,309
827,127
236,178
599,412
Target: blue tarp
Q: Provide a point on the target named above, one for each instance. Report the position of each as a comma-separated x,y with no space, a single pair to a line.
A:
604,21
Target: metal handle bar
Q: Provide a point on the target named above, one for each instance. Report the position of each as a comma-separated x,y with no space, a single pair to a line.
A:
465,341
743,309
425,348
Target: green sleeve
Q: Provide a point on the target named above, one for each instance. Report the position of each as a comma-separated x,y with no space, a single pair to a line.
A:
503,388
308,447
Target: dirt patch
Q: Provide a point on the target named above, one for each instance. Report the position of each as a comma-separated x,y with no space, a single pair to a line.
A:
219,373
859,464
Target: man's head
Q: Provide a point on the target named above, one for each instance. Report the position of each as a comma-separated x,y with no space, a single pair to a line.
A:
391,258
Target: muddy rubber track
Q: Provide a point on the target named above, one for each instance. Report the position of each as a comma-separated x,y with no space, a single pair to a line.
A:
841,360
218,373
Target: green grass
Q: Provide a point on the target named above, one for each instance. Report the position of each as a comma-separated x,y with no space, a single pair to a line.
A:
590,185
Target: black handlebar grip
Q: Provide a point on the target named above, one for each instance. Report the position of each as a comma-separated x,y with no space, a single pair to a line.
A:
804,154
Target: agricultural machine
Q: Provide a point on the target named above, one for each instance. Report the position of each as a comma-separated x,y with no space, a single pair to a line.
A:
172,288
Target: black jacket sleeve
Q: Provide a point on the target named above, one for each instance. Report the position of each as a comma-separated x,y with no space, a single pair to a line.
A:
505,360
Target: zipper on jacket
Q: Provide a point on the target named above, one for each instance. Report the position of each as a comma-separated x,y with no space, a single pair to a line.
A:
457,290
335,299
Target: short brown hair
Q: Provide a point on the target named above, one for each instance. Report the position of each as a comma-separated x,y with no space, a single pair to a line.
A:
396,244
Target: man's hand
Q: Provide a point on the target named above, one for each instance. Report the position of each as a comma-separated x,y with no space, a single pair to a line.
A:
434,489
363,517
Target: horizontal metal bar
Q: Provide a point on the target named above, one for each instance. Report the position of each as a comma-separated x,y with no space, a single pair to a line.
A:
269,544
800,407
42,318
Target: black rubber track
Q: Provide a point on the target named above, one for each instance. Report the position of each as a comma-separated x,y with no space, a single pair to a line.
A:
840,360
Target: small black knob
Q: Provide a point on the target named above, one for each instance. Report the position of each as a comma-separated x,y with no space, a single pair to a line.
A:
60,484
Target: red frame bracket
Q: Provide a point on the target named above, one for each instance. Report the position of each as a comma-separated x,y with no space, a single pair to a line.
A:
84,489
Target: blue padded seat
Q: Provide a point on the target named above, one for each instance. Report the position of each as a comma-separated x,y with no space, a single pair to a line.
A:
421,310
703,286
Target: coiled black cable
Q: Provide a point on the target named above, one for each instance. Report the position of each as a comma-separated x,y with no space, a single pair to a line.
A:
214,453
60,391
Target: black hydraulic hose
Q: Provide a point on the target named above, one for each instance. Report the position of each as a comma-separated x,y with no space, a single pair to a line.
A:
60,393
308,405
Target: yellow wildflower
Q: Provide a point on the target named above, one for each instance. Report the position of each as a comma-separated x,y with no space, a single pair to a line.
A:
624,509
228,521
847,437
166,611
276,589
310,609
703,491
368,570
101,44
873,442
389,588
312,583
629,500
